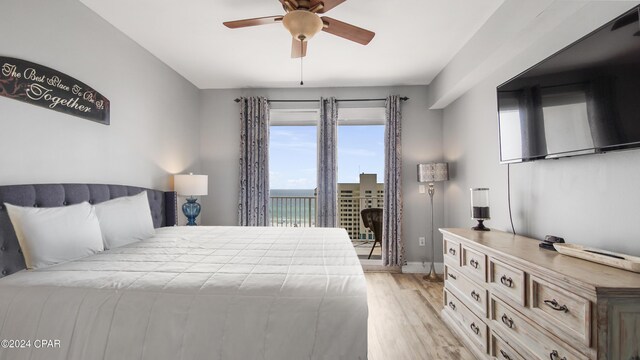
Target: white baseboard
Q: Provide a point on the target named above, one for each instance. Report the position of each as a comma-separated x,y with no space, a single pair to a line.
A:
417,267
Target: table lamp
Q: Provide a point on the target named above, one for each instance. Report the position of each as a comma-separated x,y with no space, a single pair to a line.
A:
431,173
191,186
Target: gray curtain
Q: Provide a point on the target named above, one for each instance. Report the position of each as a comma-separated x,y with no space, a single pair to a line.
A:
253,205
392,244
327,202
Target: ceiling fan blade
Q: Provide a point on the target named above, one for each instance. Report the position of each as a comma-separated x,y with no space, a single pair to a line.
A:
253,22
347,31
327,4
298,50
289,5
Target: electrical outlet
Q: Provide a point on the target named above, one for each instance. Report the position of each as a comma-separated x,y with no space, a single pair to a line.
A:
422,189
421,241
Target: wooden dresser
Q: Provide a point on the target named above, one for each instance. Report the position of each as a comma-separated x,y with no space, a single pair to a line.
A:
506,298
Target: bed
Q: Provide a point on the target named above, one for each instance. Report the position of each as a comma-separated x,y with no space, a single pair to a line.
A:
186,293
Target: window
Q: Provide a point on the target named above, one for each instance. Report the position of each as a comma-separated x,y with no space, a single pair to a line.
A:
292,167
360,169
292,162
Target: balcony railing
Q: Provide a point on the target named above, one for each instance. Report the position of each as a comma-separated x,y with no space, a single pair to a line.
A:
300,211
293,211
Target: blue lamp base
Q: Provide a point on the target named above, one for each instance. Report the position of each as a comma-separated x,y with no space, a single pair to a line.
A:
191,209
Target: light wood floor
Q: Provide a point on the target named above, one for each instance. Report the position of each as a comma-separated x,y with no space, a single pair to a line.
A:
404,320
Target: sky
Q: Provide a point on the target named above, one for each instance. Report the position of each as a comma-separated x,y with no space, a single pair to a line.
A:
293,152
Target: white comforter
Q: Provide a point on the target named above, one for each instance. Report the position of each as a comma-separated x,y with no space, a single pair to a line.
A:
195,293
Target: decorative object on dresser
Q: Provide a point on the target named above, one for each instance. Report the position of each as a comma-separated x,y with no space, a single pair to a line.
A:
549,240
480,207
430,173
191,186
507,298
609,258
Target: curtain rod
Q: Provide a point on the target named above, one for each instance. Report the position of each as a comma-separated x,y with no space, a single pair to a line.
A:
404,98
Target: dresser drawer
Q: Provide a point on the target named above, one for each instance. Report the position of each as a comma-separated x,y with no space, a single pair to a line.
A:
570,313
508,321
470,324
507,280
474,264
451,251
473,294
501,350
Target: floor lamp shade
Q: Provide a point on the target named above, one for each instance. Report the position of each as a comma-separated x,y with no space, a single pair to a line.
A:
433,172
191,186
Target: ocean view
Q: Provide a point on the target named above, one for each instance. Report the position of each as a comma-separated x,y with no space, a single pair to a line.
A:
293,207
292,192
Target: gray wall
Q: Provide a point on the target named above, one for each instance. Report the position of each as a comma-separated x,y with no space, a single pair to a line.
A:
161,124
591,200
154,111
422,142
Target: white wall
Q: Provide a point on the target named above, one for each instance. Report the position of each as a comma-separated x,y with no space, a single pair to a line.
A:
154,111
220,153
590,200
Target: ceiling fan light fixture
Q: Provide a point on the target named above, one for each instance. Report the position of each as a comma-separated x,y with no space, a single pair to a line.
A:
302,24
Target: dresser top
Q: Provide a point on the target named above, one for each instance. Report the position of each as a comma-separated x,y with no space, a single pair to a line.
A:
526,250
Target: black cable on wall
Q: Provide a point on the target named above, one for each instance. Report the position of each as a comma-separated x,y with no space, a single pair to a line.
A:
513,229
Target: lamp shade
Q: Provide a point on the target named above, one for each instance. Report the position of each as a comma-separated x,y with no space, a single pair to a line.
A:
191,185
433,172
302,24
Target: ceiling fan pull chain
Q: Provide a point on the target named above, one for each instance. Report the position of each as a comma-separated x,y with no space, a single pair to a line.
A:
301,57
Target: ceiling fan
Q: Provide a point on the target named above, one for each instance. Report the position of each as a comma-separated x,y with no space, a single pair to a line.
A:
303,23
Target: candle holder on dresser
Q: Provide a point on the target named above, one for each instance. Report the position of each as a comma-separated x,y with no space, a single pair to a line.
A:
480,207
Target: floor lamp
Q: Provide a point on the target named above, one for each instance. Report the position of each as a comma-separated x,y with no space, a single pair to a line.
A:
430,173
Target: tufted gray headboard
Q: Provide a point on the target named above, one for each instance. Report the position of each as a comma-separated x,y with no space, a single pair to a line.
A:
163,209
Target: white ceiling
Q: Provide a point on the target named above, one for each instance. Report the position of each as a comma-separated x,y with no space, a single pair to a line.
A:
414,40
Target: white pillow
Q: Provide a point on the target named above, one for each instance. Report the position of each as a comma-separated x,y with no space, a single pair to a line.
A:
125,220
49,236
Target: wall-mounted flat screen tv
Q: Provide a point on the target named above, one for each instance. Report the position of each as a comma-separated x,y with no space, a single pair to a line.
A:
585,99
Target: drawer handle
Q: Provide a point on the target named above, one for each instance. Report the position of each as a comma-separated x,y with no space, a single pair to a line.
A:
452,306
452,276
452,251
506,281
555,306
507,321
474,263
476,329
505,355
555,356
475,295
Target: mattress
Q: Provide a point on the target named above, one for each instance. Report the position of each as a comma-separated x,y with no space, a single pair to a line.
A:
194,293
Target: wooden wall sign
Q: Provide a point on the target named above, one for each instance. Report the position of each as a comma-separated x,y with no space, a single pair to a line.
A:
39,85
